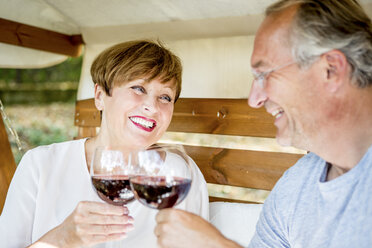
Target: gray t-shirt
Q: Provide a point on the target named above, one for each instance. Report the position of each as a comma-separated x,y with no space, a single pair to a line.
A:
305,211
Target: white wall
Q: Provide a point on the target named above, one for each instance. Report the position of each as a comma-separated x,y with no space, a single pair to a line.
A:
213,68
218,67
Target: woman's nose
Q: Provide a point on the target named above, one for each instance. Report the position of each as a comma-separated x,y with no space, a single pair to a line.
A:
257,96
150,104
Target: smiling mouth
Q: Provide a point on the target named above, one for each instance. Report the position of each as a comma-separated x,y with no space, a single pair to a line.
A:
145,124
277,113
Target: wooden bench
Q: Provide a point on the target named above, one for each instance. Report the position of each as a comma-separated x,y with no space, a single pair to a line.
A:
235,167
7,164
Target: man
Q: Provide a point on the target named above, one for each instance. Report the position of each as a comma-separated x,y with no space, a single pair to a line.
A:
312,62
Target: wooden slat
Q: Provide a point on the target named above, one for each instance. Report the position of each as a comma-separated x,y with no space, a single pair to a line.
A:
221,116
242,168
7,164
222,199
19,34
200,115
86,114
84,132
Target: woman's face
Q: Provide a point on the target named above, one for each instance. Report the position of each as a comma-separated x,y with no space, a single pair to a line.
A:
137,113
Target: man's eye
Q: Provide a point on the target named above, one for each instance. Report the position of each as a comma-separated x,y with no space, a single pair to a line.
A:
166,98
139,89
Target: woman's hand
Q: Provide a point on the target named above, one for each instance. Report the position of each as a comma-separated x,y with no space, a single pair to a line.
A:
180,229
90,223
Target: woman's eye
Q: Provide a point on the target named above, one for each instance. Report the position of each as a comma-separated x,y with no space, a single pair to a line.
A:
166,98
139,89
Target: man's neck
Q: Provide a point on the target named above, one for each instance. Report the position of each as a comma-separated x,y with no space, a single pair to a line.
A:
334,172
350,138
344,153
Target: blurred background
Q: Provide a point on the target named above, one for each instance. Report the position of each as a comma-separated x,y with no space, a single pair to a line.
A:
40,103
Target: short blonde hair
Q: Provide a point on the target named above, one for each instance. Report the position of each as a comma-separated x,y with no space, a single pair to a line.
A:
131,60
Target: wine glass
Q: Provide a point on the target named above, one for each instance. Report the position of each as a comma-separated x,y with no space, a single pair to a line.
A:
110,171
163,176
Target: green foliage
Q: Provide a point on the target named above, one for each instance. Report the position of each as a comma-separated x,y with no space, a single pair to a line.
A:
40,120
37,86
68,71
38,135
44,136
38,125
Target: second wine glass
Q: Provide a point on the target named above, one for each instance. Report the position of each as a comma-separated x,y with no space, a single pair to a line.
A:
163,176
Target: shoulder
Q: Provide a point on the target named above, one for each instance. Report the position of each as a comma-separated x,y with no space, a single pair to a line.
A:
296,184
55,148
297,180
42,156
309,165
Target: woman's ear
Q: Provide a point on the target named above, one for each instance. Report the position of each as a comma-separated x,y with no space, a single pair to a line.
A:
98,97
337,70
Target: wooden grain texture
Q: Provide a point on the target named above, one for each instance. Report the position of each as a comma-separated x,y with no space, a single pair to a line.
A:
222,199
24,35
86,114
242,168
221,116
7,164
199,115
84,132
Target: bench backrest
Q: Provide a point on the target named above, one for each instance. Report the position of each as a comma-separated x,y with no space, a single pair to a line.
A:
235,167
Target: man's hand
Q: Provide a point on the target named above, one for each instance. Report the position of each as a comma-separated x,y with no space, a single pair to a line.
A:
180,229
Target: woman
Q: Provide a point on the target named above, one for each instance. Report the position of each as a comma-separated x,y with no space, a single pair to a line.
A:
51,200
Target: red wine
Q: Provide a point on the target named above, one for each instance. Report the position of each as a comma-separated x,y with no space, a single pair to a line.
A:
156,192
113,189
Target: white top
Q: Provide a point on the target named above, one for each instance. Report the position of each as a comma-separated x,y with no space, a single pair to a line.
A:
49,183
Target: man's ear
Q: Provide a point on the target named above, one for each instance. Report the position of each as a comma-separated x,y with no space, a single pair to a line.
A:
337,69
98,97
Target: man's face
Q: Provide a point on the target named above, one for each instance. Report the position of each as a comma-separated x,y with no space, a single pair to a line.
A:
290,94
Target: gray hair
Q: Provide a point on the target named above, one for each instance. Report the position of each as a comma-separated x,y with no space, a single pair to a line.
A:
323,25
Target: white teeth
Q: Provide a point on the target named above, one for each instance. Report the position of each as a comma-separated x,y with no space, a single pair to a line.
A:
277,113
142,122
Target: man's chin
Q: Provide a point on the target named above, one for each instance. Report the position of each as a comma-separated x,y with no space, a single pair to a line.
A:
283,141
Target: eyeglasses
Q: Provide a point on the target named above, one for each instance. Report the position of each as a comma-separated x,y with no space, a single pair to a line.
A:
260,77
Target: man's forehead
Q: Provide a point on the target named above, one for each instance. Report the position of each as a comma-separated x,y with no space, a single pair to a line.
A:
271,44
263,52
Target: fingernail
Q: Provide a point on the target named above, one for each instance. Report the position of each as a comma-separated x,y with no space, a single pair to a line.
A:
130,219
126,210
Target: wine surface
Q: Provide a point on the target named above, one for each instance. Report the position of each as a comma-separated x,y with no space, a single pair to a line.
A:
158,192
113,189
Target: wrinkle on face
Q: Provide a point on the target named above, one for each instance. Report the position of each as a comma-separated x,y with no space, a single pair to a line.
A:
297,91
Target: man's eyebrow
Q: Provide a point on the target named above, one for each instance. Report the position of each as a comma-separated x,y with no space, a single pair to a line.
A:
258,64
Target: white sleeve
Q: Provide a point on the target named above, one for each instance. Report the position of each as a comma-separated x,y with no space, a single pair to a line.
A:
17,218
197,200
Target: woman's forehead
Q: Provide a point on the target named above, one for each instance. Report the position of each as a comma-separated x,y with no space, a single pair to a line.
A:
171,84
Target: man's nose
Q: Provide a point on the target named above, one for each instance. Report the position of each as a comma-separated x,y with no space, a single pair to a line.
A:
257,96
